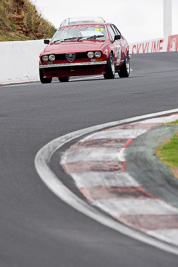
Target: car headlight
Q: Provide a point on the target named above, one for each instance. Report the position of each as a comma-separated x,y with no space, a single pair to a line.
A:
98,54
45,58
90,54
52,57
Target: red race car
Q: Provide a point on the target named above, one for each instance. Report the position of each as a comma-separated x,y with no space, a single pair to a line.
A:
85,49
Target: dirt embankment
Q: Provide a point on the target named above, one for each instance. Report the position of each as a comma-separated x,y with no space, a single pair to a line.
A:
19,20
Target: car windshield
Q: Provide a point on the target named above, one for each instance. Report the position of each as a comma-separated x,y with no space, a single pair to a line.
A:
78,32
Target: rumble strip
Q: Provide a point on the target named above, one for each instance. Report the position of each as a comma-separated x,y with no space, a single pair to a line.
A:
97,165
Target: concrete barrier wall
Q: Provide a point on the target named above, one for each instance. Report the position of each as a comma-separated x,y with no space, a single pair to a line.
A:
20,60
166,44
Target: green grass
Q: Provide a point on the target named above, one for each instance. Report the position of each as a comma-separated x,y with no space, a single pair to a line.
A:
172,123
168,152
37,26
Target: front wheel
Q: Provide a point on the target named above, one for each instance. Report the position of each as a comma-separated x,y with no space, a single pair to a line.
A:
42,79
110,68
63,79
125,69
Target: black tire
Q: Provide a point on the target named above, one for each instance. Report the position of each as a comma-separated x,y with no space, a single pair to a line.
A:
63,79
125,69
42,79
110,68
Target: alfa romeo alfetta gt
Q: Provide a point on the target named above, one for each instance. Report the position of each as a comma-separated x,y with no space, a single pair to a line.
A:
85,49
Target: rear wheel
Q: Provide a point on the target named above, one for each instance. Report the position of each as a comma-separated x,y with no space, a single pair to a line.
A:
63,79
42,79
125,69
110,68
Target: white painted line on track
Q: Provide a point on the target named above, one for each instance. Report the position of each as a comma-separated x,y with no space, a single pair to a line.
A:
53,182
161,120
165,234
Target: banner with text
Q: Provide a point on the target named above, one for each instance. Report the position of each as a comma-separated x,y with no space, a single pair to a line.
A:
166,44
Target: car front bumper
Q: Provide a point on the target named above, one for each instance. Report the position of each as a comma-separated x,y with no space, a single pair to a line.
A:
73,69
73,64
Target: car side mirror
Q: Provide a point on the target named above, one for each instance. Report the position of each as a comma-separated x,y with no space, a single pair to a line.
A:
46,41
117,37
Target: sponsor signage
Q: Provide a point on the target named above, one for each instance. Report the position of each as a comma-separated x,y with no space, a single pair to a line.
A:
166,44
172,43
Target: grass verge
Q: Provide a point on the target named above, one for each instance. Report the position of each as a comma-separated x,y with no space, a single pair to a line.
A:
34,26
168,152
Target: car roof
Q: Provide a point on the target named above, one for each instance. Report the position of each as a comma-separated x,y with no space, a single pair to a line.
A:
76,20
87,23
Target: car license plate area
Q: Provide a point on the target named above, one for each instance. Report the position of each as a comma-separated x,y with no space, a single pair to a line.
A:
77,71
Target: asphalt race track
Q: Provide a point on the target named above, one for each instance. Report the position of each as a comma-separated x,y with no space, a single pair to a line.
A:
36,228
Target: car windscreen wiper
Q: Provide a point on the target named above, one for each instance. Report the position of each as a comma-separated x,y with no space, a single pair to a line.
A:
56,41
78,38
94,36
73,38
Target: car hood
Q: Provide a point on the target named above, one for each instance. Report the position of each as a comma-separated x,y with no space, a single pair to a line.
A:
75,46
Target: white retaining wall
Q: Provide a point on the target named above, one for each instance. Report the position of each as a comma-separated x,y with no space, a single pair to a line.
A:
20,60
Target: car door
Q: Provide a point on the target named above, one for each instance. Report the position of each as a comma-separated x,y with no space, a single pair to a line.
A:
119,45
123,43
114,45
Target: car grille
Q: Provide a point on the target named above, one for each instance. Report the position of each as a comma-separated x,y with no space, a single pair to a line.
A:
62,57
